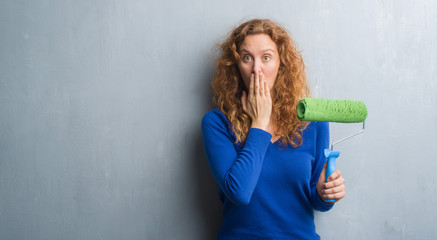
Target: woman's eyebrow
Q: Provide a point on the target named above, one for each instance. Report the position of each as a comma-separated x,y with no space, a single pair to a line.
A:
245,50
266,50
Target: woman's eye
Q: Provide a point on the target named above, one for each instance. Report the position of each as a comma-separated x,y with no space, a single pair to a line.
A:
266,58
247,58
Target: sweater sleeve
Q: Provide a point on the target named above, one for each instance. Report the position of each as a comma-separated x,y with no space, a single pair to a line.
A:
235,174
322,142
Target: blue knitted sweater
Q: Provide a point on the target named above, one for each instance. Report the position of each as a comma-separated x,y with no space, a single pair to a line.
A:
267,191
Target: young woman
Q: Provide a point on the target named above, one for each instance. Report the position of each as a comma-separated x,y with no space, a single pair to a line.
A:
269,166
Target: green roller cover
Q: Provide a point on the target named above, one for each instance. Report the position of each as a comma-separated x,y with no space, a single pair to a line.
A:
327,110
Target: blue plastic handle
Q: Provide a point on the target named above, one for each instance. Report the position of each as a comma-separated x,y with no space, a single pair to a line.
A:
330,168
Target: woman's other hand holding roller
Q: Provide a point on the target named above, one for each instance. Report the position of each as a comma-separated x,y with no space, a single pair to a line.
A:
334,188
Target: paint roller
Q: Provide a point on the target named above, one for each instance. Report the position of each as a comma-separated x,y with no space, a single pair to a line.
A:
328,110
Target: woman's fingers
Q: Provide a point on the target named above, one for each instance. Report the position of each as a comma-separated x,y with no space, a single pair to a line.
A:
336,196
257,89
334,183
336,174
258,105
252,85
261,83
266,89
258,85
244,100
334,190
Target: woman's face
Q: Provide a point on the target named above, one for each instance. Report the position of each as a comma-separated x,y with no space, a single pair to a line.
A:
258,54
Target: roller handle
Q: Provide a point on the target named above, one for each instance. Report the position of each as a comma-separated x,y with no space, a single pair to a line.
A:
330,168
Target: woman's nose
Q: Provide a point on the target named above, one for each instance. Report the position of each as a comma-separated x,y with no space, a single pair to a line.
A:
256,68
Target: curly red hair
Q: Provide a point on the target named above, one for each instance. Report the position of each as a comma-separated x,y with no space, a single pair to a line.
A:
290,85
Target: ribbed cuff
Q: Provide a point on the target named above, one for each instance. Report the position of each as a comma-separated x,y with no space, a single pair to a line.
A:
319,204
260,134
